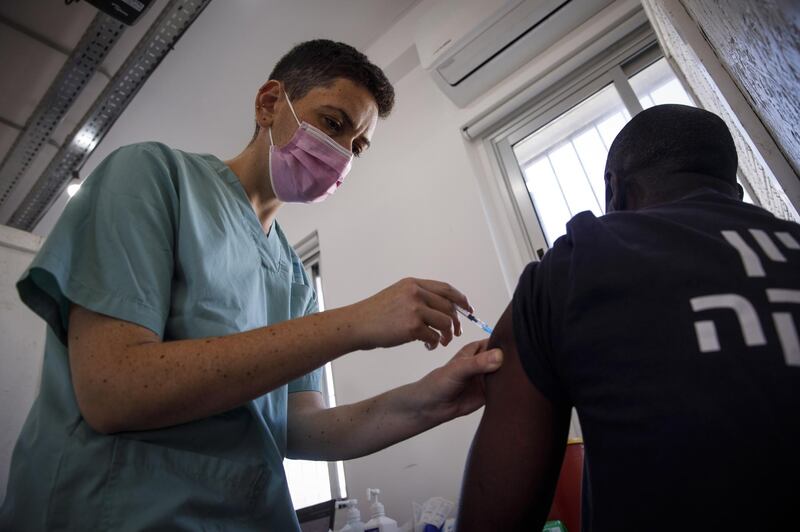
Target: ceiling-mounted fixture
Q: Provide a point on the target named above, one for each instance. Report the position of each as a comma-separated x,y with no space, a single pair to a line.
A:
468,46
80,66
160,38
126,11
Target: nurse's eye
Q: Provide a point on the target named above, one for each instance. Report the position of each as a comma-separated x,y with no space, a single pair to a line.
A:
332,124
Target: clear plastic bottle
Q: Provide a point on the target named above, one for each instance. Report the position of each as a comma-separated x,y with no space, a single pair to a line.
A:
378,521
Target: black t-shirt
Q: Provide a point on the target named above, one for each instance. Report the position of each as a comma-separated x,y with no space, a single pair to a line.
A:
673,331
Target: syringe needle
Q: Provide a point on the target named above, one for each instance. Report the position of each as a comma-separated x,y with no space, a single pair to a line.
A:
471,317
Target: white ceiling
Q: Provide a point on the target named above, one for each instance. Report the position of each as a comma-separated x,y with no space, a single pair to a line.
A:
213,72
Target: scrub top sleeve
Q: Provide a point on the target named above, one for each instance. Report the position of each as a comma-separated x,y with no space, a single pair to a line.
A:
311,382
112,249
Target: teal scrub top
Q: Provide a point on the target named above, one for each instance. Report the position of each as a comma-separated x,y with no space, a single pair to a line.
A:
167,240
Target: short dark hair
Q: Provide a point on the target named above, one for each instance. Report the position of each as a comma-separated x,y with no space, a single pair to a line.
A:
671,139
319,63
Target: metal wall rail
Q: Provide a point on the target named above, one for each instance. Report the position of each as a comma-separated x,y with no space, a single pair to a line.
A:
170,25
80,66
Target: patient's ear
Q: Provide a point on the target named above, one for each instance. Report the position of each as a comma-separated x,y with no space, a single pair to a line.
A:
615,192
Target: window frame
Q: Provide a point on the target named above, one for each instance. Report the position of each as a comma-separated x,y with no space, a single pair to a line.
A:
614,66
624,59
308,250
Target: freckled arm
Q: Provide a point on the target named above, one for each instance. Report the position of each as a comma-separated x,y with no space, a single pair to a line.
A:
452,390
126,378
351,431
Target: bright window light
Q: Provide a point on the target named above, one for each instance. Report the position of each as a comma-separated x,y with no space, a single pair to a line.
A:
72,189
309,481
563,161
657,85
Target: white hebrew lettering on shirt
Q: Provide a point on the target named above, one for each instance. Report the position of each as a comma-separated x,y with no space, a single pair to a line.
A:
750,259
787,240
706,331
767,245
784,324
753,334
751,262
753,266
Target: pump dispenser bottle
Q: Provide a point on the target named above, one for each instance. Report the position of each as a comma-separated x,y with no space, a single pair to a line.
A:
354,523
378,521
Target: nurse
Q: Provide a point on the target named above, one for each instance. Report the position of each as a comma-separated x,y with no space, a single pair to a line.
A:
183,340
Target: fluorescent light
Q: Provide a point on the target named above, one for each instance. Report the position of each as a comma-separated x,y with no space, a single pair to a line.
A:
72,189
85,139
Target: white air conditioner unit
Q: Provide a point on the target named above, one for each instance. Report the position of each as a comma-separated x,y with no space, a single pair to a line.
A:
468,46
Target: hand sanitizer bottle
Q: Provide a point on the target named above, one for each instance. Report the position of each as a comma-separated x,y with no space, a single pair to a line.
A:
378,521
354,523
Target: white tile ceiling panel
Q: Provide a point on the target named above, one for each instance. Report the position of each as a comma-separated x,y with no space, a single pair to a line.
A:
80,107
62,24
28,68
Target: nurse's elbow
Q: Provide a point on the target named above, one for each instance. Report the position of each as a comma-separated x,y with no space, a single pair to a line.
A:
98,414
101,426
97,345
110,403
93,395
102,399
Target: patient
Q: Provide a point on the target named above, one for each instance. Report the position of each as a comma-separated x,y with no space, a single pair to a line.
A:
670,324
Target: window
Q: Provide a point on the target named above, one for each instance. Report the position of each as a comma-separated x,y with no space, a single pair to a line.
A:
563,161
559,153
657,85
312,482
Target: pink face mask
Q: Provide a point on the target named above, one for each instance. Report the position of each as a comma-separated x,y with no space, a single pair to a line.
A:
310,167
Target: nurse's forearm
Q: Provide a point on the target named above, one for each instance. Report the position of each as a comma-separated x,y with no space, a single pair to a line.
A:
449,391
127,379
351,431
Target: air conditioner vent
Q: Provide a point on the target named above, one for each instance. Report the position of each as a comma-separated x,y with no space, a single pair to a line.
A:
468,46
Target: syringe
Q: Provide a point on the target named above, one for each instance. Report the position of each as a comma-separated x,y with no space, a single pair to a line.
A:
473,319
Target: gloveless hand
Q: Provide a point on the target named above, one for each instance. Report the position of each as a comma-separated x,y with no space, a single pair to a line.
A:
456,389
411,309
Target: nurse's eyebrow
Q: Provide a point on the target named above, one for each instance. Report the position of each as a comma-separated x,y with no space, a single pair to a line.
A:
345,116
348,121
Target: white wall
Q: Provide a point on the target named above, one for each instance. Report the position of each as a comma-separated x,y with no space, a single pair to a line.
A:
21,344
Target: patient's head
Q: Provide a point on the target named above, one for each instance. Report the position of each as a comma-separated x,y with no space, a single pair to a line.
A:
666,152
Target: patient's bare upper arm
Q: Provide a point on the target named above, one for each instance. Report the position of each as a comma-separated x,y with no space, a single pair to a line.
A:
517,452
